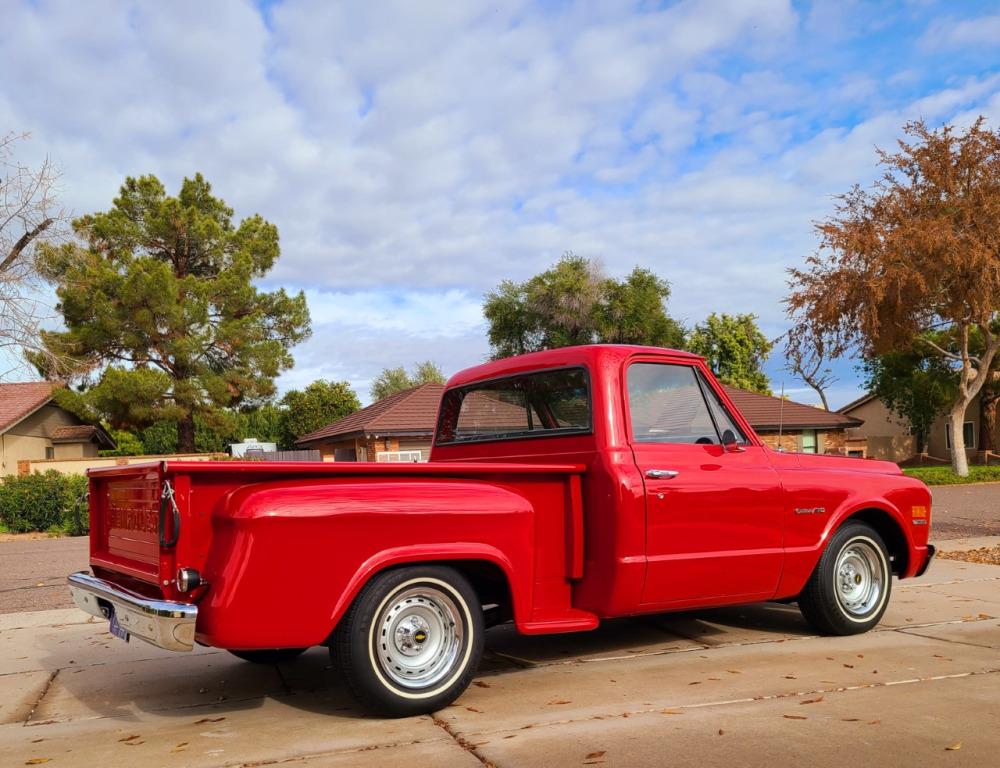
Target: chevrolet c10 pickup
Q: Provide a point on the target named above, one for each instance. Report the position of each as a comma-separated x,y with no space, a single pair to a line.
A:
564,487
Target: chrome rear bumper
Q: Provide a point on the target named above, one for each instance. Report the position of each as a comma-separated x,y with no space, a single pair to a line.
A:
164,623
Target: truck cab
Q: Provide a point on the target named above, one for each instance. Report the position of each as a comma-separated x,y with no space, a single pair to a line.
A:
563,487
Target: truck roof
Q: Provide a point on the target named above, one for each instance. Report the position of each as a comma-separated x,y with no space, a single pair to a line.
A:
589,355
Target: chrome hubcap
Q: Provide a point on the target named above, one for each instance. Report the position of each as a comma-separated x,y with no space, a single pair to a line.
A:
859,578
419,637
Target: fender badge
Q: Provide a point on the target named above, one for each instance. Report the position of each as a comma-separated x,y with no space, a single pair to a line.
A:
810,511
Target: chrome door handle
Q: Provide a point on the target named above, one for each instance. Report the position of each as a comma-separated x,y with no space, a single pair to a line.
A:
661,474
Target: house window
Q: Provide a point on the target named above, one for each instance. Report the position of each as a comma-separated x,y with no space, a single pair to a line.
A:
968,435
50,452
808,441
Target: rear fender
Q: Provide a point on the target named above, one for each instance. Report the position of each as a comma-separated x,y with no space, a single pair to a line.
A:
298,552
438,554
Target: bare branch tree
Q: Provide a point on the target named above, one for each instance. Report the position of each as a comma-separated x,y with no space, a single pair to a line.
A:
806,356
27,214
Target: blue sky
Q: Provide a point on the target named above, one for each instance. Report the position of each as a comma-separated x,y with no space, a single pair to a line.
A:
415,154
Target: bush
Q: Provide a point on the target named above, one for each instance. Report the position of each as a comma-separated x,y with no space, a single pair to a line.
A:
44,502
944,475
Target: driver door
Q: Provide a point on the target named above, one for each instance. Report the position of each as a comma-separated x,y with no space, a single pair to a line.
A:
713,512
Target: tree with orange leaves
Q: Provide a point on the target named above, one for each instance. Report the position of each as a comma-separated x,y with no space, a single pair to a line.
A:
918,253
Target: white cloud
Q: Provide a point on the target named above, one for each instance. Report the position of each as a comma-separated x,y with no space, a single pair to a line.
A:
952,33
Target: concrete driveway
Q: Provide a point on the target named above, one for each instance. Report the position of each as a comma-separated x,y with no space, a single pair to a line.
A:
740,686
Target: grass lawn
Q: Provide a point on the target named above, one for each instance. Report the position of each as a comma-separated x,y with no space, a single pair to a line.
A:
944,475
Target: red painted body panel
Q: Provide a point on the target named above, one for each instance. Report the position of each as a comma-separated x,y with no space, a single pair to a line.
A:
570,521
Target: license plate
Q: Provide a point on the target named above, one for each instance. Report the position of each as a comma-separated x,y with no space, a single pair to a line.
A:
115,628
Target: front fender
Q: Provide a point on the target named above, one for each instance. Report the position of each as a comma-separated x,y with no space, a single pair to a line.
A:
288,557
895,502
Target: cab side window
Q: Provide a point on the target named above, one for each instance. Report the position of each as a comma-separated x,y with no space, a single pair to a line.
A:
667,405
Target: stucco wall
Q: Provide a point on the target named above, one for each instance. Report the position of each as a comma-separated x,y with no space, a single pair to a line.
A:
16,448
937,442
887,434
80,466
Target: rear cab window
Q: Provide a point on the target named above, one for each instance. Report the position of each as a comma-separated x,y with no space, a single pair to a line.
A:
542,404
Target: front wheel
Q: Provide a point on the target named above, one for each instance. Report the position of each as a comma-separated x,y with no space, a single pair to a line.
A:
411,641
849,590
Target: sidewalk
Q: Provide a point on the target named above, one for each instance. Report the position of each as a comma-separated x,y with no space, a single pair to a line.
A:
737,686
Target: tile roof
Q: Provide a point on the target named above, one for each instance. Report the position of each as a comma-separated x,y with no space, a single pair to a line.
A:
20,400
82,433
765,413
410,411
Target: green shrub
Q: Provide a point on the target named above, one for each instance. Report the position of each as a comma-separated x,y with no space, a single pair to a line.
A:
44,502
944,475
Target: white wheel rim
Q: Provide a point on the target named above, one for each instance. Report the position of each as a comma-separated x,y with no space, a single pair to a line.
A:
859,578
418,637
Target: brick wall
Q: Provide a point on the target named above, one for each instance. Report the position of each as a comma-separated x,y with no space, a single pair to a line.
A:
828,441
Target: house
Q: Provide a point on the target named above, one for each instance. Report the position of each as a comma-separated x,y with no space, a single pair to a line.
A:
401,427
398,428
889,435
793,426
34,427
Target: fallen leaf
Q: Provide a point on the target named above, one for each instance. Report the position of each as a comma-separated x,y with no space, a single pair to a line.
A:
861,655
812,701
849,666
209,720
556,702
874,722
734,671
595,755
721,731
473,709
850,719
671,712
791,677
696,682
133,737
37,760
40,584
985,616
179,747
795,717
481,684
953,747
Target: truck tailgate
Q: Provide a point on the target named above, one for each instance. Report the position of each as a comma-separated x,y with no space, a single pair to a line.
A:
124,522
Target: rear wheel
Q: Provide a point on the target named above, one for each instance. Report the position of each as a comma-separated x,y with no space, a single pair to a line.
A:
849,591
411,641
268,655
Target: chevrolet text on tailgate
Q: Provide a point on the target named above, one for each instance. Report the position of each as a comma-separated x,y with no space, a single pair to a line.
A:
564,487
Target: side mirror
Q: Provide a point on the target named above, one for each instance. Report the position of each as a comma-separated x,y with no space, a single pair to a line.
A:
731,443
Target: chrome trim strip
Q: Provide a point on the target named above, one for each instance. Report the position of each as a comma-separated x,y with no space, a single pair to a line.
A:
164,623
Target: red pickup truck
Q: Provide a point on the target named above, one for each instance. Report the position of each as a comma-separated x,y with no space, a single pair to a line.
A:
563,487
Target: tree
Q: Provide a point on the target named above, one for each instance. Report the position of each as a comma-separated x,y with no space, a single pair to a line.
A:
393,380
312,408
915,254
914,385
27,200
735,350
632,312
806,357
573,302
161,312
